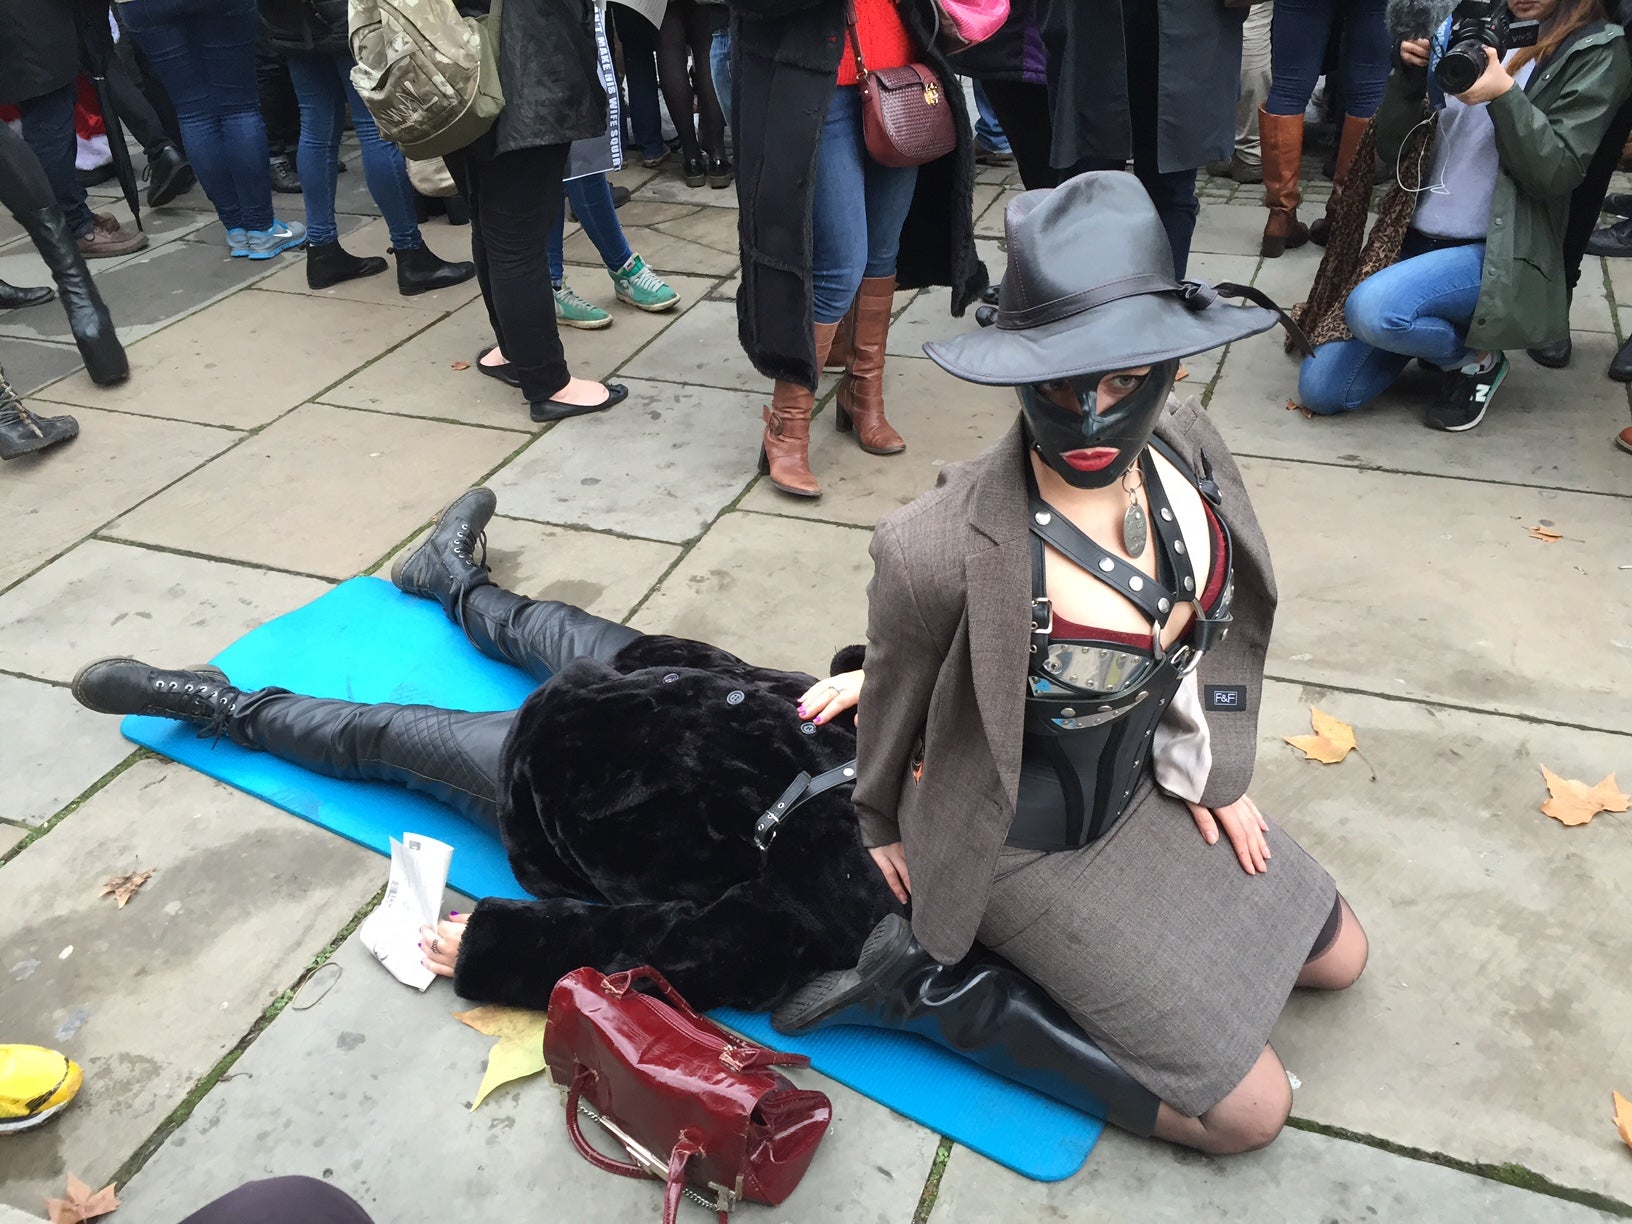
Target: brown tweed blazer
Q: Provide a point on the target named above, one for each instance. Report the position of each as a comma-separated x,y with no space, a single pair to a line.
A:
941,725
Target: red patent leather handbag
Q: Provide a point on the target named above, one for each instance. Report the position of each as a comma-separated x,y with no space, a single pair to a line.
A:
692,1103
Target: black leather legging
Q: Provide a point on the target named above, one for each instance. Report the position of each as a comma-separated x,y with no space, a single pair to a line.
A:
450,755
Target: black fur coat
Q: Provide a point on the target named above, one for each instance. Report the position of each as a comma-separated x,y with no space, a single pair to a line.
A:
632,789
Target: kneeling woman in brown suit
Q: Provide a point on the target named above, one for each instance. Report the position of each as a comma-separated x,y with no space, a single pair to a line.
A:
1065,653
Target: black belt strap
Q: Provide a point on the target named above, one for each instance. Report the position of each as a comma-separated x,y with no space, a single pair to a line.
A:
801,790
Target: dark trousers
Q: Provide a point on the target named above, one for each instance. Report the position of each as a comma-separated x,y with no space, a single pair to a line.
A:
282,1200
1027,119
24,187
639,42
1173,193
515,203
1588,198
48,127
280,106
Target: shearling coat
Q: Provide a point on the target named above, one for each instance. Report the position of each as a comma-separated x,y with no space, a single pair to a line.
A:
785,68
948,630
631,793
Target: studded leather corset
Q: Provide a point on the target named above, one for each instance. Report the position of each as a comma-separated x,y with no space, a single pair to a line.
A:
1094,698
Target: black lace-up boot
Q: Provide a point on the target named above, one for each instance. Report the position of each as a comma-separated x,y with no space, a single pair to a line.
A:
200,695
445,566
22,432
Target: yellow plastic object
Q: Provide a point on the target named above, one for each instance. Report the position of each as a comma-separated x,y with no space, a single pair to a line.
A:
35,1084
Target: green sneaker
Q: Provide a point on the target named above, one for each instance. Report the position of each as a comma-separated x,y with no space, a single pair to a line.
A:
642,288
572,311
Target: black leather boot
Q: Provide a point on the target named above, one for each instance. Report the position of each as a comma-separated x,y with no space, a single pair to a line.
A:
421,270
88,317
23,432
445,566
169,174
1620,367
15,297
984,1009
329,263
198,695
1554,356
540,636
285,179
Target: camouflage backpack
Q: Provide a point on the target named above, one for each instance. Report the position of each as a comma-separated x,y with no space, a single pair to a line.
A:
429,76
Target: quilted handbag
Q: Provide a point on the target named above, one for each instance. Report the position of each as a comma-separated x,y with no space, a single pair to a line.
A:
692,1104
905,117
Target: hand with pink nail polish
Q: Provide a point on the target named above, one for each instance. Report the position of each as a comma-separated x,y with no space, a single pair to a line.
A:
829,698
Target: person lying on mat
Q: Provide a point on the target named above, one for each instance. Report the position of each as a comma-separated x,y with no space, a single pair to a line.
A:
1065,652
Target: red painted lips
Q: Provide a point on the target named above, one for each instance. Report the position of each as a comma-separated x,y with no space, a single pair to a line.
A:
1092,460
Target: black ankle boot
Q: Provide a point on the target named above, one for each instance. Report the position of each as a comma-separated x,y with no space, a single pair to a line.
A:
445,566
200,695
457,211
169,174
328,263
984,1009
88,317
21,431
285,179
420,271
15,297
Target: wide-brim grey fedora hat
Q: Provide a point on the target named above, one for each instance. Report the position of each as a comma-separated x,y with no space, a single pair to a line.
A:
1089,287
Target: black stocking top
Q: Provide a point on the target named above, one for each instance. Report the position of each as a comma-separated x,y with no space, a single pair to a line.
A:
1094,696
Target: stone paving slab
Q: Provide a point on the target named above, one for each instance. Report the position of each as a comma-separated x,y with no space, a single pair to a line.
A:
666,185
774,591
31,364
236,363
418,378
52,751
1548,428
689,246
1427,588
1234,229
1300,1179
1491,1021
151,996
660,466
147,292
324,1095
104,599
10,835
452,244
943,421
701,350
604,574
56,497
364,481
21,263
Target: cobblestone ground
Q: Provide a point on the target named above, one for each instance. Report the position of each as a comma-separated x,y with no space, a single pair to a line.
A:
273,441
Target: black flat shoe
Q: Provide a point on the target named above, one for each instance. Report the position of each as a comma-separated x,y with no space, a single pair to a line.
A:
1620,369
555,410
695,172
504,373
421,270
1554,356
1618,204
329,264
721,173
15,297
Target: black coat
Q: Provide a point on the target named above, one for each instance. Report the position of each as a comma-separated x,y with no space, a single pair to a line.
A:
632,790
1199,80
786,62
39,51
313,27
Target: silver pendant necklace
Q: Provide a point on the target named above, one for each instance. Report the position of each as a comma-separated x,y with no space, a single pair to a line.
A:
1135,526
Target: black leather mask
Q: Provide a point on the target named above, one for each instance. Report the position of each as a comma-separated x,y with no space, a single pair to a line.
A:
1054,431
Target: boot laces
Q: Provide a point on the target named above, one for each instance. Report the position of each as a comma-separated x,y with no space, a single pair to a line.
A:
466,550
11,404
217,699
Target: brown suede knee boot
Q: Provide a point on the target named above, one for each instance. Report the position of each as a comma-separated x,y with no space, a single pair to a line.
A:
1282,140
784,451
860,402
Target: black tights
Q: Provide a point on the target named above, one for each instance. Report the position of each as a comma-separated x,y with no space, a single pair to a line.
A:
24,189
450,755
687,27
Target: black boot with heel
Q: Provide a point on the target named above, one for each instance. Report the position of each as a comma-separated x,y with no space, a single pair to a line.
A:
88,317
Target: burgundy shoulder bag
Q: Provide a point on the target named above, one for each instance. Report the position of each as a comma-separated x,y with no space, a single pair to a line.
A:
905,116
692,1104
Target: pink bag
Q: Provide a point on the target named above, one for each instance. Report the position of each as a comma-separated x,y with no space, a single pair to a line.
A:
967,22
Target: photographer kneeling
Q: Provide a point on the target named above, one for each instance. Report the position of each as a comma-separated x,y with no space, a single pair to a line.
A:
1474,264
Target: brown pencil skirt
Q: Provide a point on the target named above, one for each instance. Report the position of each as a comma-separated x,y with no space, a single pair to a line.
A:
1165,951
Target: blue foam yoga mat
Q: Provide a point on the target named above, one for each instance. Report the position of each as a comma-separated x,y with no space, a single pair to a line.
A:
365,641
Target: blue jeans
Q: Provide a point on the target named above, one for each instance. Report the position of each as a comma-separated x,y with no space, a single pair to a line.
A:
323,86
48,127
987,129
203,52
1419,307
850,243
591,198
719,67
1298,50
639,40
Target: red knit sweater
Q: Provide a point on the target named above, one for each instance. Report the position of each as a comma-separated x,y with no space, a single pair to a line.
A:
885,42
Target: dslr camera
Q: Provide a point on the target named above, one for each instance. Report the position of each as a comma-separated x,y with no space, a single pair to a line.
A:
1475,25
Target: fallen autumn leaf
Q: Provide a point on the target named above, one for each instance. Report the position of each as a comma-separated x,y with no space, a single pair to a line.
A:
81,1204
461,365
1331,742
1571,802
1545,534
124,887
1623,1118
519,1051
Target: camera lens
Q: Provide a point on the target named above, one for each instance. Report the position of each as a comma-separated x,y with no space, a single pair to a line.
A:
1460,67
